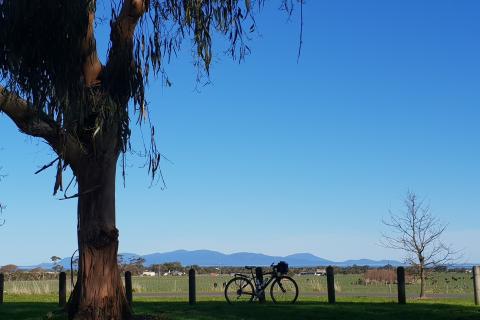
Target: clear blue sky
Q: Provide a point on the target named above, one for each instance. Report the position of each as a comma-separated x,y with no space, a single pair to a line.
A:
279,157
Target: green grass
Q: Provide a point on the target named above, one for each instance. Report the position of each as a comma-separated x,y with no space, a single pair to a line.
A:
21,307
357,309
38,300
438,283
28,307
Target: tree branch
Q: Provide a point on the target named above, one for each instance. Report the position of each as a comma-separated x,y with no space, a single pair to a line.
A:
92,67
45,167
120,57
123,28
29,121
35,123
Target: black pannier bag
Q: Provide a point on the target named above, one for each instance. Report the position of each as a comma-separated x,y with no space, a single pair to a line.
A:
282,267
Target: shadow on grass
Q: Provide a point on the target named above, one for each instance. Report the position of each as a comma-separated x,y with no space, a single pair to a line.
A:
308,310
215,310
29,310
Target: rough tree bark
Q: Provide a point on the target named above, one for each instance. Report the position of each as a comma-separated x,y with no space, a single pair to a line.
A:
99,292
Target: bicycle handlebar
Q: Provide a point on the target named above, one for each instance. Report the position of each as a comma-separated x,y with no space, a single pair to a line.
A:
273,266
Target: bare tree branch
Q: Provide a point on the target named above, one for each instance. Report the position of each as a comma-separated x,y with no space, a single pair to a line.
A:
45,167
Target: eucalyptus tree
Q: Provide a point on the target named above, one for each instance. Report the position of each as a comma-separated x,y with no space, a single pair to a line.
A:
55,87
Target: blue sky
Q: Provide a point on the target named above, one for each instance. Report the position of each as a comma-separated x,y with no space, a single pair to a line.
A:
279,157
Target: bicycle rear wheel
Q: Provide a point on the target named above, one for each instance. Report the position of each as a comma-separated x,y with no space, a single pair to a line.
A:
239,290
284,290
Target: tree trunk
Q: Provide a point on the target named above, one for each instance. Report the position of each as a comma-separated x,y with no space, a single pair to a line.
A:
422,281
99,293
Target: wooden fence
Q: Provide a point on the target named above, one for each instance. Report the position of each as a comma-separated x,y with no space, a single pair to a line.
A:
62,289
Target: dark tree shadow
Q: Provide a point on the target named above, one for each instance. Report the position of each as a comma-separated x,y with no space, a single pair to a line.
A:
309,310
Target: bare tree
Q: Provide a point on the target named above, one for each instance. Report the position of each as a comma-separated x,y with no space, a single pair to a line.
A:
417,233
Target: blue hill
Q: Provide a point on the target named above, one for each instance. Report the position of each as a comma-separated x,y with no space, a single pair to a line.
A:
214,258
210,258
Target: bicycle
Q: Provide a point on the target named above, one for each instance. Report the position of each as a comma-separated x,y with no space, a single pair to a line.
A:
283,289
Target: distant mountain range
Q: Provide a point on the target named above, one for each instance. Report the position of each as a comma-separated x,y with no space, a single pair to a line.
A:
208,258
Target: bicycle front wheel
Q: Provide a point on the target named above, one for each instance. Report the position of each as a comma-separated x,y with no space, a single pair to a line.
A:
284,290
239,290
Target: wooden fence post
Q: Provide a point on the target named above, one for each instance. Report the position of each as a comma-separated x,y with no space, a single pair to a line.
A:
259,283
2,281
330,284
192,294
476,284
402,299
128,287
62,289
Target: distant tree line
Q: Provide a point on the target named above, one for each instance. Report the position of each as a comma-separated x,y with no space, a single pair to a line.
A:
13,273
385,274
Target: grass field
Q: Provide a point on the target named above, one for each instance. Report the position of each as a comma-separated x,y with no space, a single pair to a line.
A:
439,283
166,298
45,307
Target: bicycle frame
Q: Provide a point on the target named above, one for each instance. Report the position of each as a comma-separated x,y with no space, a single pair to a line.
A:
259,290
